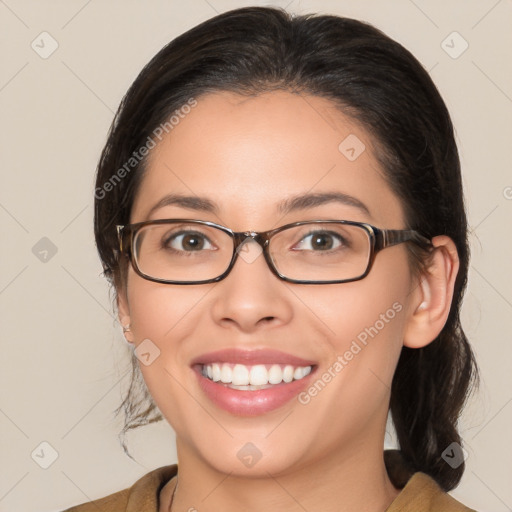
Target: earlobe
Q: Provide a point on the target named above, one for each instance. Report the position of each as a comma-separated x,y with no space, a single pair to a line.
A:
124,316
432,298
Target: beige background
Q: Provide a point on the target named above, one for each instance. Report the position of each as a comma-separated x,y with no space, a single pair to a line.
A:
64,363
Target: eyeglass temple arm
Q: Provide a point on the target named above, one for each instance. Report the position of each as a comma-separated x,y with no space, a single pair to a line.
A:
120,236
389,237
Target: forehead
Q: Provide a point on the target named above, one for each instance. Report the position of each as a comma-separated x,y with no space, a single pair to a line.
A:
249,155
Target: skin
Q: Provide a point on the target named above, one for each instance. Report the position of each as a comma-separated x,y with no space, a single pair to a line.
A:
248,154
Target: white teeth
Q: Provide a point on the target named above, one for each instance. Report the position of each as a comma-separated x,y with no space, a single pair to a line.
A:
215,372
301,372
298,373
275,374
258,376
226,374
288,373
240,375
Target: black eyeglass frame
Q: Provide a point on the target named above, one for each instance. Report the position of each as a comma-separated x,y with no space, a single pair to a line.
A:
379,240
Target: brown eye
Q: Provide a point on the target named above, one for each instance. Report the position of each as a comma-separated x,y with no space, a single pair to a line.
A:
187,241
320,241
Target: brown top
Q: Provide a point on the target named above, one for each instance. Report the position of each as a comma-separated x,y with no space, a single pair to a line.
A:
420,493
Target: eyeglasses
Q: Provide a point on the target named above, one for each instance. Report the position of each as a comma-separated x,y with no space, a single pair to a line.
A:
185,251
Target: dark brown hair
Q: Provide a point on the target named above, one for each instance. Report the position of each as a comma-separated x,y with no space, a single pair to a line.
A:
382,86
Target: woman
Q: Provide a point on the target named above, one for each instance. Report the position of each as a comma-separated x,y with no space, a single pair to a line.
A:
279,208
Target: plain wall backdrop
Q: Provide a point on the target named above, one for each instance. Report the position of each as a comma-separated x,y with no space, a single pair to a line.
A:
65,66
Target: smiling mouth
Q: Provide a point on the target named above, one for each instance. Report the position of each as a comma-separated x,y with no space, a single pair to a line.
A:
252,377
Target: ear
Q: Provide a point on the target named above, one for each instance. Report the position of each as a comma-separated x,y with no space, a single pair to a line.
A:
432,298
123,309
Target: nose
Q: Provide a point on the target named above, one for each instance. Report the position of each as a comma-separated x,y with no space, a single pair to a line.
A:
251,296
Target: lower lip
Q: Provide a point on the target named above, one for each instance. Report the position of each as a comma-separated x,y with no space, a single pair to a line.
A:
251,403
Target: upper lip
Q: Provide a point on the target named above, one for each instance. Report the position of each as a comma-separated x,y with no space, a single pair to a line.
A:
251,357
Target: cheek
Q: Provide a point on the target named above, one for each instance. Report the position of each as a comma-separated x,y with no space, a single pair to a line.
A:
163,312
365,322
163,319
363,310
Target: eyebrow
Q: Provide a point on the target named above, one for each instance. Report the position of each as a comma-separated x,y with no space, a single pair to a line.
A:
304,201
201,204
292,204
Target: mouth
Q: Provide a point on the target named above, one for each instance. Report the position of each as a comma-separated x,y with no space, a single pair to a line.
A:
250,383
251,378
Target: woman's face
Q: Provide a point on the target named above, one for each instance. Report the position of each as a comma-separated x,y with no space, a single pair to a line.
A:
247,156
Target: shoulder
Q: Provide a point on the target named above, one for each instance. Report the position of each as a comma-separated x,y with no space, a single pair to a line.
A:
116,502
142,496
419,491
423,494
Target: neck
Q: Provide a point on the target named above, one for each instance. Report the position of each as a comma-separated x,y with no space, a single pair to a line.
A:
353,480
